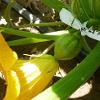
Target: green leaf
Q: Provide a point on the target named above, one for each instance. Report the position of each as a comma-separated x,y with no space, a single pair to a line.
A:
25,41
48,36
12,31
56,4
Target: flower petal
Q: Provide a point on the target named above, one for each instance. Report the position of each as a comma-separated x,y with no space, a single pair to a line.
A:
7,56
13,86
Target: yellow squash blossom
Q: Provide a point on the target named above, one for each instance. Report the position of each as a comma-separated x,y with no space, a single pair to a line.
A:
7,56
7,60
25,78
34,75
13,86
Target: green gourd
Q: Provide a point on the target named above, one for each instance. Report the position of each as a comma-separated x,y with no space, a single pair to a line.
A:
67,46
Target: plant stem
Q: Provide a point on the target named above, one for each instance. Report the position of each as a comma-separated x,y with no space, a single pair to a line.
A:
48,49
7,12
85,45
43,53
42,24
74,79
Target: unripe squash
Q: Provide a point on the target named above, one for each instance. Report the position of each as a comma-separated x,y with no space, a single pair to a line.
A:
34,75
67,46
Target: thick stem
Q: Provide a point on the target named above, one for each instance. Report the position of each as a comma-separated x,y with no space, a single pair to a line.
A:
75,78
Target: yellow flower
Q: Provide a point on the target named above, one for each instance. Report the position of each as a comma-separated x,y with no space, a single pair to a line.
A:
13,86
7,60
25,78
34,75
7,56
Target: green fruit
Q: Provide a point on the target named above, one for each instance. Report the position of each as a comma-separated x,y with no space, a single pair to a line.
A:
67,46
